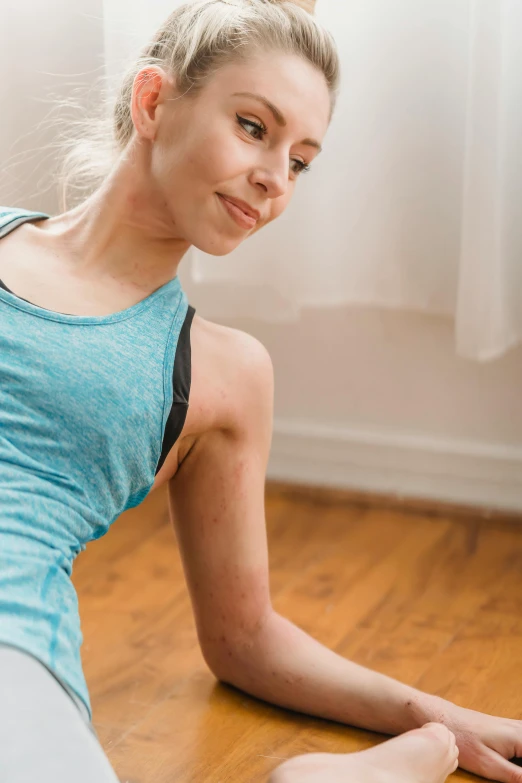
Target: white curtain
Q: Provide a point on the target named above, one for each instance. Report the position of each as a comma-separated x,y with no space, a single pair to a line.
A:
416,201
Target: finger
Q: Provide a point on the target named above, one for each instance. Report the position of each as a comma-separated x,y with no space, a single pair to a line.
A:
495,767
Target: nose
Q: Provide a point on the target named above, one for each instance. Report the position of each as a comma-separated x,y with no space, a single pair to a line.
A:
272,177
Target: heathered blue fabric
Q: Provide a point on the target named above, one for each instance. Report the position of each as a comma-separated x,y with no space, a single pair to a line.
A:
83,407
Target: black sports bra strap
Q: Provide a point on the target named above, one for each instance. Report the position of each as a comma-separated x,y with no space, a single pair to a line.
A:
181,379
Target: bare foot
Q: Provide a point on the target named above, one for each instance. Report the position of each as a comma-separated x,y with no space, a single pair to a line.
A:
426,755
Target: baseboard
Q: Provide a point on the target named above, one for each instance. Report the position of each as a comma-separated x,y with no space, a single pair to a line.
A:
394,463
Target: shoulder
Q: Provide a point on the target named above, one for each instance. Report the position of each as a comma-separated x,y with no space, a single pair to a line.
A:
232,373
231,390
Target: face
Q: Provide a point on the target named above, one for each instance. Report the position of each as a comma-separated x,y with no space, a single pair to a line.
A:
225,162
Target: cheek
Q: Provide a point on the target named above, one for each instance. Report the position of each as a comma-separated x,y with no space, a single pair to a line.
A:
191,159
221,159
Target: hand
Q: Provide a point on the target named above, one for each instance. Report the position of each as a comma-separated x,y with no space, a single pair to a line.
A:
486,743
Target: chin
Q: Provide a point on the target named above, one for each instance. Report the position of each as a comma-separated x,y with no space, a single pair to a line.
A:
218,246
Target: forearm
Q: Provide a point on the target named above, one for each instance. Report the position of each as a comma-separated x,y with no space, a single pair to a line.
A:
286,666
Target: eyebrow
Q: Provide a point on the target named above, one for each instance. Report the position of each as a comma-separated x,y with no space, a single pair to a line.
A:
278,115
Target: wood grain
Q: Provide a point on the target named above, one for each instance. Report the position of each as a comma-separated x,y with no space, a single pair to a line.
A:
433,600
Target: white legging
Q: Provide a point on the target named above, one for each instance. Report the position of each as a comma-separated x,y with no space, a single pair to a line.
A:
45,736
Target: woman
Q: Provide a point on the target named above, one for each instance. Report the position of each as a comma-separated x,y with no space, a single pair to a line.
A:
99,350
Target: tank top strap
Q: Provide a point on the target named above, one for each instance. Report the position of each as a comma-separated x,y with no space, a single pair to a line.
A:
11,217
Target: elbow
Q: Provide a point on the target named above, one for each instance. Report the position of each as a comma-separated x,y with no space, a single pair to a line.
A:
222,663
231,654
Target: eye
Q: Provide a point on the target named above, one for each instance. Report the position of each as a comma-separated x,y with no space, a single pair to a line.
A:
296,166
301,166
260,129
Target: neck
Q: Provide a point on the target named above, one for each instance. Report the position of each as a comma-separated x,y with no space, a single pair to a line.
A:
121,232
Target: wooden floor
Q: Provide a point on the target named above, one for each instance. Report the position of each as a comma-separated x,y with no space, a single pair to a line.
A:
434,601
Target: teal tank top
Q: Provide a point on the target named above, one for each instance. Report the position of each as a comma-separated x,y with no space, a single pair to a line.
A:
89,408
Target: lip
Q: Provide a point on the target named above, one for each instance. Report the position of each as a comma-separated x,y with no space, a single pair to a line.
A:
243,213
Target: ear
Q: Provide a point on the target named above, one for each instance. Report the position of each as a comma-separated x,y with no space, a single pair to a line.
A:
150,89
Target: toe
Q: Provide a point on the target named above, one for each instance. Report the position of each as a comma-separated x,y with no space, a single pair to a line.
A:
441,731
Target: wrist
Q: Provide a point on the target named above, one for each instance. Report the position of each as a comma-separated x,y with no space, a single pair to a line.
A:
401,708
424,708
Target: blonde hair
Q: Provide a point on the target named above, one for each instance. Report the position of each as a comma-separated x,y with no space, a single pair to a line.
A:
194,41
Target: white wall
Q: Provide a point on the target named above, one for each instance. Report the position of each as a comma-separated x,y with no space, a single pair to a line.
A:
379,401
46,51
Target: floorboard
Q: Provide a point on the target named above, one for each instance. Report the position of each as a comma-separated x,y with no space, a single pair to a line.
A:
433,600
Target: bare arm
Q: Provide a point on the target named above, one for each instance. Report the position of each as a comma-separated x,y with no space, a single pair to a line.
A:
286,666
217,504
